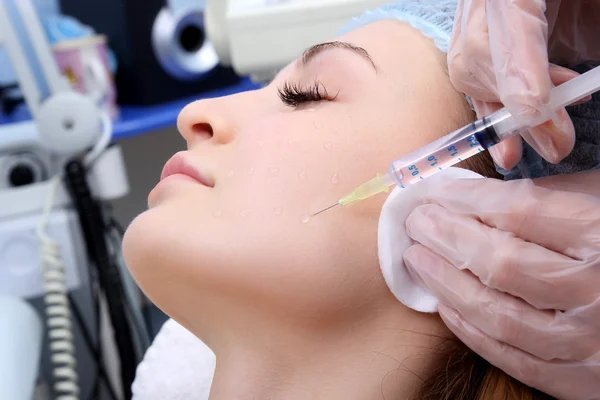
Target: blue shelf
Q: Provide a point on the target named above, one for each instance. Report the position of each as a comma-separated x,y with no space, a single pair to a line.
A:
137,120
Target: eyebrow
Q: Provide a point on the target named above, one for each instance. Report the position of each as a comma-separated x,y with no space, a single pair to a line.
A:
311,53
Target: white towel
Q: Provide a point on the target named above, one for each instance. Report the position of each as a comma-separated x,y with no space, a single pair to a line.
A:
177,366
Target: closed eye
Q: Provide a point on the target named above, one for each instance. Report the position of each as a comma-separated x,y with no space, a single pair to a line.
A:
293,95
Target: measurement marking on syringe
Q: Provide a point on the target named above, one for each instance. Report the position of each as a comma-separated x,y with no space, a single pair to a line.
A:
465,142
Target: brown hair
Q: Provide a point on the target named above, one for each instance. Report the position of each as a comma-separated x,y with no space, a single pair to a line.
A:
461,374
481,163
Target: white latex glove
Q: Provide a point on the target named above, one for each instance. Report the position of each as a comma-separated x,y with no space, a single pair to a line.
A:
516,268
499,55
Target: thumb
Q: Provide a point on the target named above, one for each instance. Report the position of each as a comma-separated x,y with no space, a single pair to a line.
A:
519,46
508,152
522,74
554,139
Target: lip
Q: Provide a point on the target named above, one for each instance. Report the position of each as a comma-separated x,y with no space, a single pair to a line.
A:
180,164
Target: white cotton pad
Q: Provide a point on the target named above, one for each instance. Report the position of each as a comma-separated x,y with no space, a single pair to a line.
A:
177,366
393,240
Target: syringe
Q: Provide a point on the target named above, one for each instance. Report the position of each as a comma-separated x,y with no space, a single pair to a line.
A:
466,142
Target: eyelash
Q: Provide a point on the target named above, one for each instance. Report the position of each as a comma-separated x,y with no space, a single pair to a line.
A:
292,95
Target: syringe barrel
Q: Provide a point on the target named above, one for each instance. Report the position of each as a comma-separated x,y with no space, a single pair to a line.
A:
396,175
504,124
445,152
482,134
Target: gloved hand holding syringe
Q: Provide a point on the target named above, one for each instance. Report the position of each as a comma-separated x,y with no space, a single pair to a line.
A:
466,142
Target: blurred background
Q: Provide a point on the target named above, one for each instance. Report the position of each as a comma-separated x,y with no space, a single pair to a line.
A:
90,91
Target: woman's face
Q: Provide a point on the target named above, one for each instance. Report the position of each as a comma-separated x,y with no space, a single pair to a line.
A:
244,245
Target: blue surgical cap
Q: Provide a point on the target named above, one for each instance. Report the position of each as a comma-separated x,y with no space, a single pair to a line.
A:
433,18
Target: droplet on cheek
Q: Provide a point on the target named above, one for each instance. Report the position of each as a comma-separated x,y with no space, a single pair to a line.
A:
244,213
302,175
274,171
278,210
328,146
305,218
218,213
335,179
251,172
230,174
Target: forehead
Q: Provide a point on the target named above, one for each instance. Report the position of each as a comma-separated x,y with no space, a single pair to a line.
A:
409,87
395,44
411,69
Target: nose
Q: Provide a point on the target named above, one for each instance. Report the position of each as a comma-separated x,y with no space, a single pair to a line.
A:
203,121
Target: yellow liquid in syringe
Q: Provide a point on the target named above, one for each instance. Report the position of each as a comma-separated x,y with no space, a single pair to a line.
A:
446,157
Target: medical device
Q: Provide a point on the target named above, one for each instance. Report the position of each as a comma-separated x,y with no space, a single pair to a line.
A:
260,37
56,173
466,142
20,348
162,50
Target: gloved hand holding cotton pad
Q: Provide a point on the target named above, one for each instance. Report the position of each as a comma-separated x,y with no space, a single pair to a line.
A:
393,239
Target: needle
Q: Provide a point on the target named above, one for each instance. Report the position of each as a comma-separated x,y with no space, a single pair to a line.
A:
325,209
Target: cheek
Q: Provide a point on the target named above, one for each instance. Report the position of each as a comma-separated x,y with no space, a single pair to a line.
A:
316,271
252,238
299,162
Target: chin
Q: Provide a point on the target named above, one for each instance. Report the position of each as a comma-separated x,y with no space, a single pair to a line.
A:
143,249
310,272
133,244
152,264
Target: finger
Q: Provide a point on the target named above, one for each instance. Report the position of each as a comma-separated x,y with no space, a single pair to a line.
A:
582,100
508,152
521,66
524,82
543,278
470,62
560,127
558,134
564,380
456,39
587,182
561,221
553,139
546,334
560,75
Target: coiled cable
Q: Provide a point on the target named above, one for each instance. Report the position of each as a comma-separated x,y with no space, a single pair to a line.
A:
58,312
